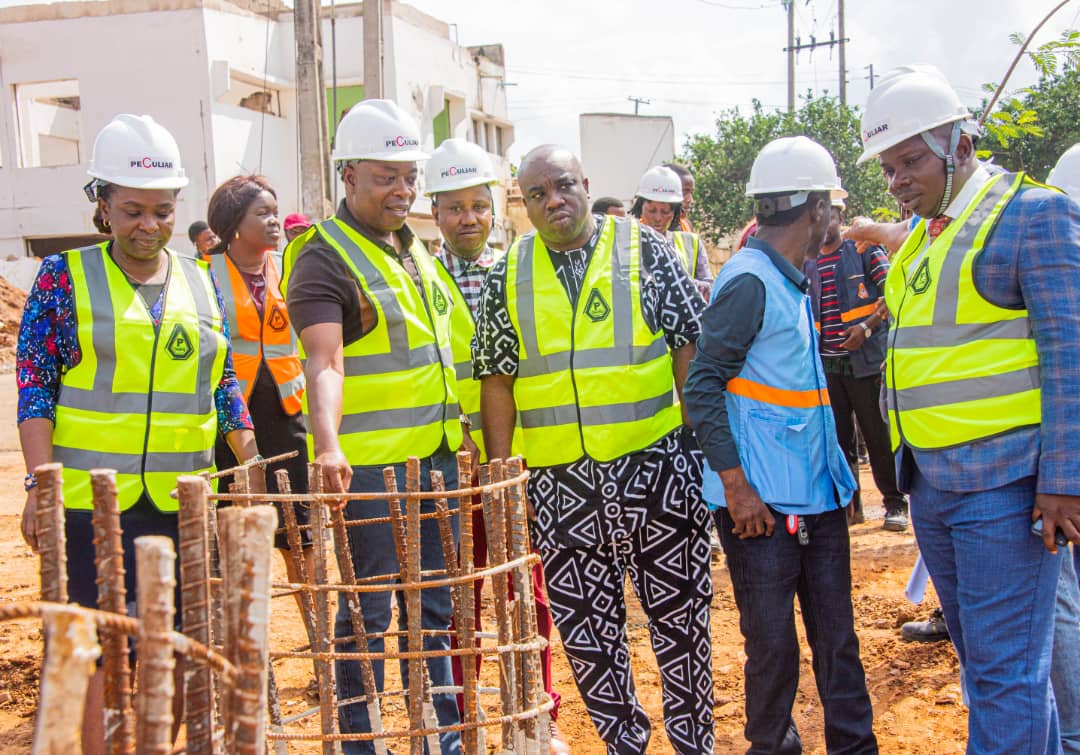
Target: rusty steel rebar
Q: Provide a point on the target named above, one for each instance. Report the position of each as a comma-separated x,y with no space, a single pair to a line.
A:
467,629
494,523
71,647
193,525
247,544
51,539
324,669
347,569
155,565
458,603
112,596
537,730
410,575
296,553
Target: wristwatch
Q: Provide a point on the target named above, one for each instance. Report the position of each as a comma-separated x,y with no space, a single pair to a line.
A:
866,329
465,421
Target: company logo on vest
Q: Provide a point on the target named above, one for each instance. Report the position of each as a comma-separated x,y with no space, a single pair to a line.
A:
179,344
277,321
438,300
595,307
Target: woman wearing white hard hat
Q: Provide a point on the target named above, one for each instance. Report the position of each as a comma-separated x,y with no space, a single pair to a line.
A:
658,204
152,408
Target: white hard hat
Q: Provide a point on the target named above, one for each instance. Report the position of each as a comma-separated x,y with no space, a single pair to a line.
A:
138,152
660,184
378,130
1066,174
458,164
909,100
793,164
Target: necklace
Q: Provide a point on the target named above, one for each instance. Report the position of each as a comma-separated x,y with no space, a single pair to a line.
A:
142,280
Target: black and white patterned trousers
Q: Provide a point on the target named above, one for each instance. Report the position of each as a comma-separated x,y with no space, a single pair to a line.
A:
668,563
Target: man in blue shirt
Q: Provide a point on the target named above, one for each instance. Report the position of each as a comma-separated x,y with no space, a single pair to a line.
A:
757,396
982,388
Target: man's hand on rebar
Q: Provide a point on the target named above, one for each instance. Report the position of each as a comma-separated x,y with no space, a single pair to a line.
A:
337,474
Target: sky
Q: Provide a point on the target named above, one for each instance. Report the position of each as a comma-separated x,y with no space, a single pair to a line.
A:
696,58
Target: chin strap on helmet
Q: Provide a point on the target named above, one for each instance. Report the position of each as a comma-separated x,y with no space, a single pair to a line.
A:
950,161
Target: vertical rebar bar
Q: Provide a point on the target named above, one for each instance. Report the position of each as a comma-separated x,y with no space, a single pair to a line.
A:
52,541
410,575
247,544
71,648
155,567
494,522
324,668
532,676
112,597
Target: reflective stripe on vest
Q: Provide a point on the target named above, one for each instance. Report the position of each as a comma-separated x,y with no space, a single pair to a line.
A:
768,394
256,338
463,327
593,378
958,368
399,397
687,245
146,409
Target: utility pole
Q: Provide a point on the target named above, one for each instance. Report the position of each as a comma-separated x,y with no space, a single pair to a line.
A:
374,87
843,60
311,104
638,101
870,68
790,55
796,45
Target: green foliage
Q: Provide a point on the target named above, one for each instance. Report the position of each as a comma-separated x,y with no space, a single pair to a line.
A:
1032,127
721,163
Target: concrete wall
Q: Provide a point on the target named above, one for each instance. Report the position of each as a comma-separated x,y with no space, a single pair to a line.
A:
617,149
217,53
100,52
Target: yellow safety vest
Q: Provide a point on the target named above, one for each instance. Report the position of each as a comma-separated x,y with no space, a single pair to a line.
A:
463,327
399,398
958,368
593,378
261,338
687,245
140,401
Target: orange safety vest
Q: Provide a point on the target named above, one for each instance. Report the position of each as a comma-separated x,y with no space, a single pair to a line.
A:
256,340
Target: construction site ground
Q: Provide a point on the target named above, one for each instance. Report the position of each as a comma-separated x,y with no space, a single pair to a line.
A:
913,686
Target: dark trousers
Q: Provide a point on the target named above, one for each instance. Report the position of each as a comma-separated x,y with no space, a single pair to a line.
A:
766,575
856,399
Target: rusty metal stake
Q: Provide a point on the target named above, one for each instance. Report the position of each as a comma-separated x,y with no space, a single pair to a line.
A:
155,567
71,647
52,541
112,597
324,669
248,539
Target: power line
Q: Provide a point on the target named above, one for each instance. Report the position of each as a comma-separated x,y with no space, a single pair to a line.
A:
638,79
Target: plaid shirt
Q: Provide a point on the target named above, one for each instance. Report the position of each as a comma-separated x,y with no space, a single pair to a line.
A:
1031,260
468,274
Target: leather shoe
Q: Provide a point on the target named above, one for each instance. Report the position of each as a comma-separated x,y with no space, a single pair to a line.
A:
931,630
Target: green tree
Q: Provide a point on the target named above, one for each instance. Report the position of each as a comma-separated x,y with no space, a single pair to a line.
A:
721,162
1030,128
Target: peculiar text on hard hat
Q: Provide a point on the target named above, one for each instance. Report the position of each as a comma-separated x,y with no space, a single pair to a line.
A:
149,162
402,141
456,171
872,132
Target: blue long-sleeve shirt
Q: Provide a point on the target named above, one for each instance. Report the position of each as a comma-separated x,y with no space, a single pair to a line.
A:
1032,261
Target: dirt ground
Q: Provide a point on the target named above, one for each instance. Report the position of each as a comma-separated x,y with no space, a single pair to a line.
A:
913,686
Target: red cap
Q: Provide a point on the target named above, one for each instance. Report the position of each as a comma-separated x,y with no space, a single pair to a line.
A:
296,220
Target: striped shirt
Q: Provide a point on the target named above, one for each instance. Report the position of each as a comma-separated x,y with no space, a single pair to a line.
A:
833,330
